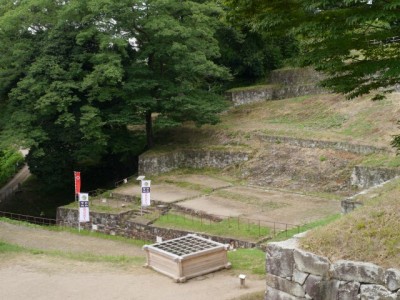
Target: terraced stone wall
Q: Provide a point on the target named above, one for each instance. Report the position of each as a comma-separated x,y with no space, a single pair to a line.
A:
164,162
119,224
365,177
294,274
284,83
318,144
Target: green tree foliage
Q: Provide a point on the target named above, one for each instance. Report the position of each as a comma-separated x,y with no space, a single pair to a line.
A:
175,73
356,43
77,73
10,161
251,54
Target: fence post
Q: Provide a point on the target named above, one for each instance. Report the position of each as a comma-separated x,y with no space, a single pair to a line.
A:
286,230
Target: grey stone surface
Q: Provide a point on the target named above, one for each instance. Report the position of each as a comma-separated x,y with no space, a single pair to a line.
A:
293,76
392,279
348,290
312,286
284,285
279,258
376,292
310,263
274,294
363,272
164,162
365,177
319,289
285,83
318,144
348,205
299,277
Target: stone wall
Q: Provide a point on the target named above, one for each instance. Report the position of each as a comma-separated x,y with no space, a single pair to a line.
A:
365,177
285,83
295,76
119,224
294,274
341,146
164,162
351,203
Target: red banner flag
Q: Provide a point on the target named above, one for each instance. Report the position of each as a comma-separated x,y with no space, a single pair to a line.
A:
77,176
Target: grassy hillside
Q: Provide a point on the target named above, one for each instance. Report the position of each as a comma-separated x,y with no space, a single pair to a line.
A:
327,117
368,234
371,233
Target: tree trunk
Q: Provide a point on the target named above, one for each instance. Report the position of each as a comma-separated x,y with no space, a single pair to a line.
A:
149,130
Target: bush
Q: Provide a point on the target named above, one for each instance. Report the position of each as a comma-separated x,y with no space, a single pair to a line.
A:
10,161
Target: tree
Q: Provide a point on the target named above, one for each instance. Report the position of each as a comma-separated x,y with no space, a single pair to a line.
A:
79,72
251,54
354,42
174,73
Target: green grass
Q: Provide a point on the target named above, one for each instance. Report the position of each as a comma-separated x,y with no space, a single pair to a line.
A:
209,172
254,88
291,232
381,160
370,233
228,227
249,200
248,260
83,257
95,234
192,186
112,206
10,248
323,120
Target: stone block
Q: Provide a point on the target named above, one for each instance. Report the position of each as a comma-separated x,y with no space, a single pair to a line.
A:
348,290
363,272
274,294
376,292
279,259
299,277
312,286
285,285
310,263
392,279
319,289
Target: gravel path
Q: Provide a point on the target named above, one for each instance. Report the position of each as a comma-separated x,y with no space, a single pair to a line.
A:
27,276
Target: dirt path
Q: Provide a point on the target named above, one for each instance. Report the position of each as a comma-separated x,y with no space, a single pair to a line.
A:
28,276
37,238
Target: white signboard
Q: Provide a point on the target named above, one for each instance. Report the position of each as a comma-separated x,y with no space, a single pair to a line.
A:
146,192
83,207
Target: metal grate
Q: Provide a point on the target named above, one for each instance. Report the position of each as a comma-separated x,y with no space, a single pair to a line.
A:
185,245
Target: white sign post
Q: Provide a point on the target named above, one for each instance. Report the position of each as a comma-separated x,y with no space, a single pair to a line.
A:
83,208
145,193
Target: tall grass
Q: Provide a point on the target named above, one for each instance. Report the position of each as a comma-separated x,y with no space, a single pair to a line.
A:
230,227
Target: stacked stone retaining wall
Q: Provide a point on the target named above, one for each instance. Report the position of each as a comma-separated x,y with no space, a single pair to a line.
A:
308,143
294,274
165,162
366,177
285,83
118,224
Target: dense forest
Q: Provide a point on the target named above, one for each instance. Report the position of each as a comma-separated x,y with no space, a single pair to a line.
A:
85,84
